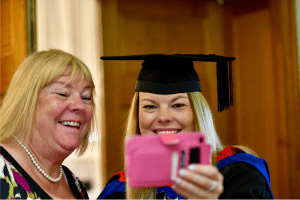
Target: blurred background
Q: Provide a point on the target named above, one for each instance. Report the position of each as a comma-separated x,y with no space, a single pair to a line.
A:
261,34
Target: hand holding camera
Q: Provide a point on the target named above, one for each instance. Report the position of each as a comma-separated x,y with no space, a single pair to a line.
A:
200,182
181,160
155,160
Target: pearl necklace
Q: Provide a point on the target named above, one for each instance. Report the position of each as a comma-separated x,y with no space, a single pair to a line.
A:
37,165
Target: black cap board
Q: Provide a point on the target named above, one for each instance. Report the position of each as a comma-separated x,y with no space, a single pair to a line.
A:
171,74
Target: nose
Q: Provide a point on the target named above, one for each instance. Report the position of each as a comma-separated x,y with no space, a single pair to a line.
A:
76,103
164,115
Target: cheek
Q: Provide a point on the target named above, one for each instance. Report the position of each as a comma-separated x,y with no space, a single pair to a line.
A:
144,121
89,114
48,108
188,120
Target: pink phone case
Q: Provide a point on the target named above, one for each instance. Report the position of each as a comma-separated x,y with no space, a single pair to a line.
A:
155,160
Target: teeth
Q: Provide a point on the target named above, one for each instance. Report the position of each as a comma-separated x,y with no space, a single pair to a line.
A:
164,132
68,123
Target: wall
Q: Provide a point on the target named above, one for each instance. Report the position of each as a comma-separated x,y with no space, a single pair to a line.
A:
297,10
13,40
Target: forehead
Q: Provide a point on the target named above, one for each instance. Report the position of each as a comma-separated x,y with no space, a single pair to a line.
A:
152,96
67,79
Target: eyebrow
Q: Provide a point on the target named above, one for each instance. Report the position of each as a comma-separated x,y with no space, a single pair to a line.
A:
147,100
179,97
69,85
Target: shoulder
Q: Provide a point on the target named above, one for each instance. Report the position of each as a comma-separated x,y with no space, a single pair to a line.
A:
7,168
115,187
245,175
6,176
13,184
75,184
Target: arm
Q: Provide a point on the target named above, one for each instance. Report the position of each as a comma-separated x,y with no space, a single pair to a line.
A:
242,180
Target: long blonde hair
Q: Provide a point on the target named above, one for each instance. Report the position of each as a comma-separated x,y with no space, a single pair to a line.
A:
203,121
36,72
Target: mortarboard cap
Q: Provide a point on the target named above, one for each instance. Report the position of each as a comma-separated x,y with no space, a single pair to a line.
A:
171,74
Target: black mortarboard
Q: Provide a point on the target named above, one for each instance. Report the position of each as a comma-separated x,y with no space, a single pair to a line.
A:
171,74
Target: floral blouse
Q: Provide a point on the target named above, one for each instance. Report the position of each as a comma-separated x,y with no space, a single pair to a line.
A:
17,184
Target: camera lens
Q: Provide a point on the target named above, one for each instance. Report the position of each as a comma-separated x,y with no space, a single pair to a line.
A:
201,139
194,155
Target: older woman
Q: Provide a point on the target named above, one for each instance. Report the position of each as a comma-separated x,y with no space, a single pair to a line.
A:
47,113
168,98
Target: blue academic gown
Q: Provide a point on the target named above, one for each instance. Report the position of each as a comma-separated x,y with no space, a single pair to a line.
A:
245,176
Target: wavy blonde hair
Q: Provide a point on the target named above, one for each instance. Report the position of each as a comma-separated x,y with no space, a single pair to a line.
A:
36,72
203,122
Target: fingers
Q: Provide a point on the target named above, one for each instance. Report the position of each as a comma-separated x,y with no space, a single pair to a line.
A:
200,182
207,170
191,191
213,185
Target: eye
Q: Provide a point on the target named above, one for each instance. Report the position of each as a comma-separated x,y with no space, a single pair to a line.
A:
149,107
178,105
62,94
87,98
87,95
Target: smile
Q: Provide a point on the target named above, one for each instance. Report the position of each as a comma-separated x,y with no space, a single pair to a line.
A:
166,131
70,124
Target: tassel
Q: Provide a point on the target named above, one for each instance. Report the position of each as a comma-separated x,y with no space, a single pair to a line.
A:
224,84
231,83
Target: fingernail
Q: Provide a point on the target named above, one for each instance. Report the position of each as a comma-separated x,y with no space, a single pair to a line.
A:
192,167
182,172
178,181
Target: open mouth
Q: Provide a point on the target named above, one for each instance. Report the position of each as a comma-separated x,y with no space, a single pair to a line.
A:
166,131
70,124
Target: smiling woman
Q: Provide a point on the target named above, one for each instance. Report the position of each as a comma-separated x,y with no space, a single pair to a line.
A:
46,114
168,98
65,111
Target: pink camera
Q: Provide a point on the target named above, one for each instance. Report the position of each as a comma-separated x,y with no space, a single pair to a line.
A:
155,160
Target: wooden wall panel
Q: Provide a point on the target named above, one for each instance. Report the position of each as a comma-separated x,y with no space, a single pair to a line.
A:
112,46
267,91
285,55
256,94
13,39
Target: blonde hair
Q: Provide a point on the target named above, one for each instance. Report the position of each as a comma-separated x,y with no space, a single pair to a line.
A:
36,72
203,122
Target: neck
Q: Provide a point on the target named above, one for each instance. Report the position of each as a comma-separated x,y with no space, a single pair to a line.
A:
49,156
47,172
50,161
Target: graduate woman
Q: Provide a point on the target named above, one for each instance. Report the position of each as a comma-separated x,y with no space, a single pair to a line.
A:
168,98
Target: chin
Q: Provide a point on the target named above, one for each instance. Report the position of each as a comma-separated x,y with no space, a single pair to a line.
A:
70,146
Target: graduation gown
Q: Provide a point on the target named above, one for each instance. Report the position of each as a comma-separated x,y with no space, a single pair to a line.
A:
245,177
